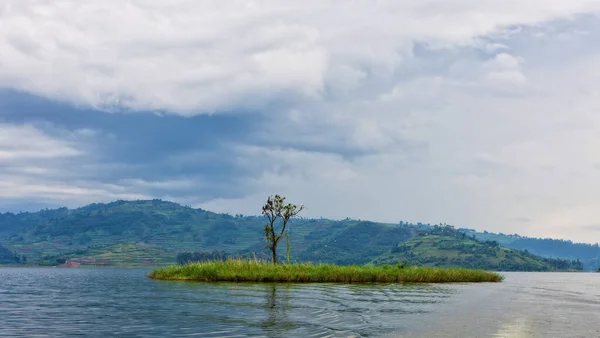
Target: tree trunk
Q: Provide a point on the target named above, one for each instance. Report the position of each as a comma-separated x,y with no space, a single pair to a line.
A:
274,250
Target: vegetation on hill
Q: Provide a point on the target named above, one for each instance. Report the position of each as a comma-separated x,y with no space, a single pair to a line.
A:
50,237
446,247
118,255
357,244
588,254
11,223
8,257
156,223
259,271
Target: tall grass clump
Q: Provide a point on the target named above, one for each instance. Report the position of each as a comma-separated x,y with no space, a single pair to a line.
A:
240,270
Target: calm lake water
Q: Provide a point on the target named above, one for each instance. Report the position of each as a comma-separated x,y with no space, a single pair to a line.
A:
124,303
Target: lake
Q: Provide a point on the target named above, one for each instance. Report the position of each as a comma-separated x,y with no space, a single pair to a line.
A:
124,303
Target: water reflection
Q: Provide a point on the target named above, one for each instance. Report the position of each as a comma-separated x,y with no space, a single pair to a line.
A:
515,328
113,302
277,304
331,310
123,302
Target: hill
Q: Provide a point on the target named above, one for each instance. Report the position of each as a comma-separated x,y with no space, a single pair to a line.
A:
588,254
155,232
357,244
8,257
446,247
119,255
53,234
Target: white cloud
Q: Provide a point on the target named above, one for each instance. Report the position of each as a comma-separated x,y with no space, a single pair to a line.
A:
19,142
72,193
489,157
135,184
434,111
506,69
381,187
35,165
200,56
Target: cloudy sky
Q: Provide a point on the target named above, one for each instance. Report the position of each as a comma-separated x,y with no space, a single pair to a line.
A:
478,113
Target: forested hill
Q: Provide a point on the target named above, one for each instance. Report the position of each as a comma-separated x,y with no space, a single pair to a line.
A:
8,257
154,232
446,247
588,254
50,234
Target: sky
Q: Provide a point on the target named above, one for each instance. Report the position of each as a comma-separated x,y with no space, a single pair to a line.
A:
482,114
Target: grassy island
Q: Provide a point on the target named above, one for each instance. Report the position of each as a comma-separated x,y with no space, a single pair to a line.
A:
257,271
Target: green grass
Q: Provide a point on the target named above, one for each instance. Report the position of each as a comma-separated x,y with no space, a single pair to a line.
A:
257,271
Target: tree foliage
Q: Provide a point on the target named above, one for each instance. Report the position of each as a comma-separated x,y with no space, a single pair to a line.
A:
276,211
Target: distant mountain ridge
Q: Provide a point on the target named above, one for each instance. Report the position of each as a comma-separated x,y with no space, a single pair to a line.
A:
49,234
589,254
130,232
447,247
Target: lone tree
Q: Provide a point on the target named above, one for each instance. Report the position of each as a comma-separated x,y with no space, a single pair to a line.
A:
275,209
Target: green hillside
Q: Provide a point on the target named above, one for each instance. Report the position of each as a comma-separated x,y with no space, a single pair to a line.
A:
119,255
357,244
49,234
154,232
588,254
8,257
445,247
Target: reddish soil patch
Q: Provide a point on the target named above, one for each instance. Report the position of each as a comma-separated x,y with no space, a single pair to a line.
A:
69,264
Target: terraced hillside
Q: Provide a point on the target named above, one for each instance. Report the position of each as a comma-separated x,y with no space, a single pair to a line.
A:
357,244
450,248
120,255
154,232
50,234
588,254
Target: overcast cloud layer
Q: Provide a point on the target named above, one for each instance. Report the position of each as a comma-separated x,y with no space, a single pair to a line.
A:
481,114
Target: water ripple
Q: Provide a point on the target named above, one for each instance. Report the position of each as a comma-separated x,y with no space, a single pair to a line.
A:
118,302
124,303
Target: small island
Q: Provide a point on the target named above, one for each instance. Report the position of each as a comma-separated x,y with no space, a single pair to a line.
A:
254,270
248,270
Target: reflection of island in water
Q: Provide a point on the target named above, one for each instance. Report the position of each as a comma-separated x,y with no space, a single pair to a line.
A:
277,298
